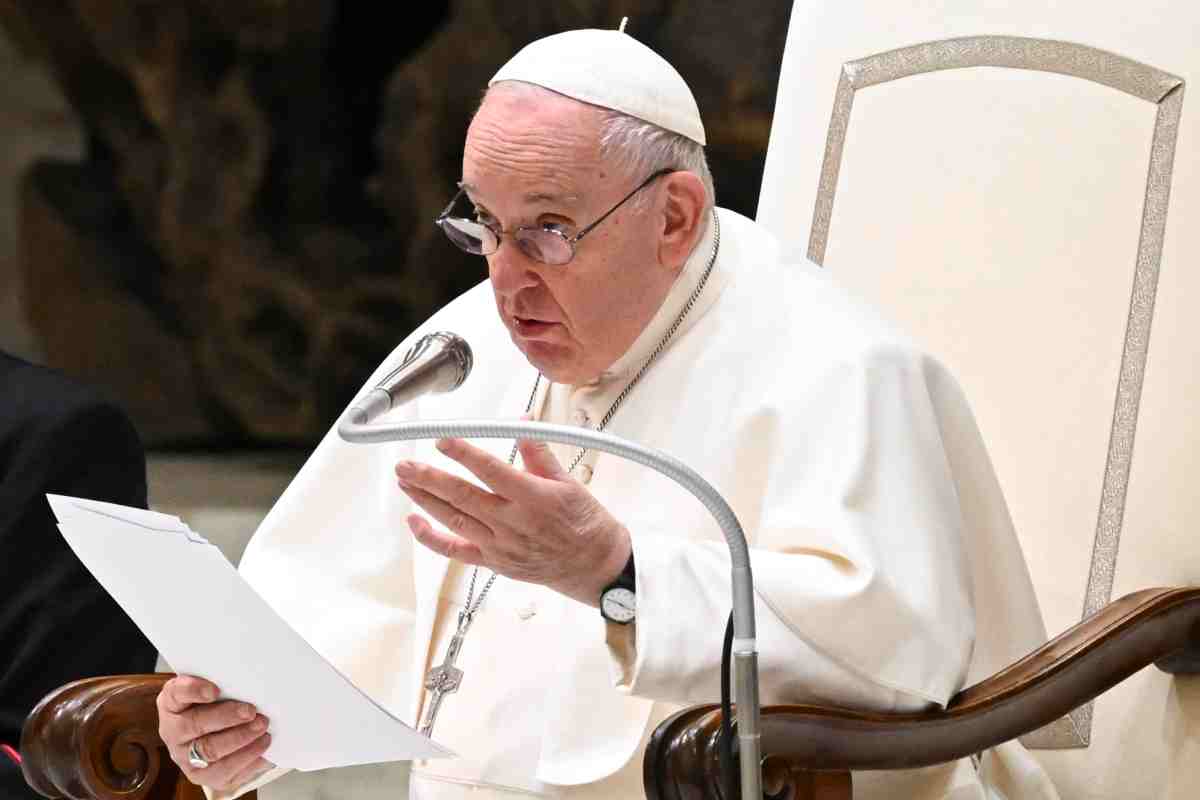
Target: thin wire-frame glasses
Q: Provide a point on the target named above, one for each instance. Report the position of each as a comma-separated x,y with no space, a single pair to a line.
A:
545,243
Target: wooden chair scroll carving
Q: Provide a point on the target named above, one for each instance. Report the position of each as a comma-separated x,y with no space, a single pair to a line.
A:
97,739
809,751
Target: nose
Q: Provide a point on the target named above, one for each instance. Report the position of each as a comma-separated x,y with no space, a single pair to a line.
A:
511,270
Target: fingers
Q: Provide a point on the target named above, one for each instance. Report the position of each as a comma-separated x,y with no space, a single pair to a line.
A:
538,458
453,517
183,691
540,461
452,489
203,719
444,544
188,709
234,769
216,746
498,476
230,735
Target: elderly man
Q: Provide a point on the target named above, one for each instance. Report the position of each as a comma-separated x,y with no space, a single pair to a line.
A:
586,595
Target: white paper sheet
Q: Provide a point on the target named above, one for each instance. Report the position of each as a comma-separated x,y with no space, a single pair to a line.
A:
206,620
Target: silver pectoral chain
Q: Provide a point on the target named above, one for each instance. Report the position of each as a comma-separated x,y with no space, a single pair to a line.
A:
445,678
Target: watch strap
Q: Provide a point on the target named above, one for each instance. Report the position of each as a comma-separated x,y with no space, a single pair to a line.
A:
627,579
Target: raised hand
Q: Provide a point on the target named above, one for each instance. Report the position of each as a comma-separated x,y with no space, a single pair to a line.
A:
537,525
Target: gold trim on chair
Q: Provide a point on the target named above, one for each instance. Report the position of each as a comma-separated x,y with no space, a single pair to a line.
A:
1076,60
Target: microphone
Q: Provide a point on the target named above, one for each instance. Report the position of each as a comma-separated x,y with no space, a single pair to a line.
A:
440,362
437,363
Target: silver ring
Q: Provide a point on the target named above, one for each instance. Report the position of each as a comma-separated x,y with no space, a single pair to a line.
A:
194,758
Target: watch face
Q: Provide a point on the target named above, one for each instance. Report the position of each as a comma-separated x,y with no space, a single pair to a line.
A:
619,604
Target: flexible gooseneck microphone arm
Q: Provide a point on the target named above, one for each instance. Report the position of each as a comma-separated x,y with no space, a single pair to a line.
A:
356,427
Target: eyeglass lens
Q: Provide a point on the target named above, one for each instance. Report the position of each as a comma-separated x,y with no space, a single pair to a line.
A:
540,244
474,237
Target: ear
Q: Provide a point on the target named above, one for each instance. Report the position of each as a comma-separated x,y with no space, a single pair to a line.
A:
682,218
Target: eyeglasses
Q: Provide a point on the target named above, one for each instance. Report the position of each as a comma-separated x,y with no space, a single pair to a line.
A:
545,243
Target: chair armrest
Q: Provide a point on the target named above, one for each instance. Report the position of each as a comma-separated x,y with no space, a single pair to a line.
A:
98,738
1153,626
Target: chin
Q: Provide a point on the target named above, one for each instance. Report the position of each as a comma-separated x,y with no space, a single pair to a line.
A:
553,361
547,358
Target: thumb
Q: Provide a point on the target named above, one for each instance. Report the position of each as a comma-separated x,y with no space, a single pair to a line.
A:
538,459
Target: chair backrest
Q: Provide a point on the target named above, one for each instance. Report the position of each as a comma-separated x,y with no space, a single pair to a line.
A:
1015,220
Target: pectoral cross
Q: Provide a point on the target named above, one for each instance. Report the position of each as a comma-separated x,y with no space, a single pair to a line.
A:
445,678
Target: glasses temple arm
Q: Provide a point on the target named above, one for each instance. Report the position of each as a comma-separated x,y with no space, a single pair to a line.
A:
577,237
446,211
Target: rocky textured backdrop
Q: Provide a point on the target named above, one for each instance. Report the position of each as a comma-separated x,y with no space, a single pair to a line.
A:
250,231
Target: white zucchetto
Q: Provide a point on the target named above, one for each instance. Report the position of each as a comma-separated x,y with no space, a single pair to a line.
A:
610,69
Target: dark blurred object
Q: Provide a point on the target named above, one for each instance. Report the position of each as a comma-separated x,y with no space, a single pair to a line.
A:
57,624
251,232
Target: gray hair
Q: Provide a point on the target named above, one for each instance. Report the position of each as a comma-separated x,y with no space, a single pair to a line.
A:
640,148
643,148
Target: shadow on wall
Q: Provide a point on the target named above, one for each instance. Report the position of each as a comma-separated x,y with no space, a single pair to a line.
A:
248,234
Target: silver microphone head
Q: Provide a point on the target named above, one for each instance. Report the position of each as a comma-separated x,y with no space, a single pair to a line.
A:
438,362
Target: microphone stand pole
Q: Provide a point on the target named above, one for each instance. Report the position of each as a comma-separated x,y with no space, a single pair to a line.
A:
356,427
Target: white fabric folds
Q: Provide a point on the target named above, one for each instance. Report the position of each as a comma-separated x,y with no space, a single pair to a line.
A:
886,569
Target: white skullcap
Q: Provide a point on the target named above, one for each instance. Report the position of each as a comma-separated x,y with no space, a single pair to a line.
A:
613,70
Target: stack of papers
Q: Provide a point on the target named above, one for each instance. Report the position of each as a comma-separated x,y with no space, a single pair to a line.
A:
206,620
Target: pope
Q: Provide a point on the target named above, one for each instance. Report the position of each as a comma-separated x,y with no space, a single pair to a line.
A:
539,608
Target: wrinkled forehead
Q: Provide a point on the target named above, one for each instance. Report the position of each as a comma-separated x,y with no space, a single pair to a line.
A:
534,146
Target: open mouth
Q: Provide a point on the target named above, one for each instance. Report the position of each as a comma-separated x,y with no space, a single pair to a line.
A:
531,327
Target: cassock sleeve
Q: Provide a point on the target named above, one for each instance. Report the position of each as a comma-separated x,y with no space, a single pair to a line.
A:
861,578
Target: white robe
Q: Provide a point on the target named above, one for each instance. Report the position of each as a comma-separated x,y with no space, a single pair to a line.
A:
886,570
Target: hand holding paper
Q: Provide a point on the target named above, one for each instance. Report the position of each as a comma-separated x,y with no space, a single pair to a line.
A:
227,736
207,621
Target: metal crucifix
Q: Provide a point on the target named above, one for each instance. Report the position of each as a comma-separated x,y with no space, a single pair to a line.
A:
445,678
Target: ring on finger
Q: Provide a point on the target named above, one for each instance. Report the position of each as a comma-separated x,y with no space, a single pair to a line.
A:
193,756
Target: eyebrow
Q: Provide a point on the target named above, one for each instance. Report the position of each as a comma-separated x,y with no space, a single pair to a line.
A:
536,197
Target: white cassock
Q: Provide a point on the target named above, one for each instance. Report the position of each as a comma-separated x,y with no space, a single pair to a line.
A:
886,570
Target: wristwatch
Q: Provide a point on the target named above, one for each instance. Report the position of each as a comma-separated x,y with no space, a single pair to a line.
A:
618,602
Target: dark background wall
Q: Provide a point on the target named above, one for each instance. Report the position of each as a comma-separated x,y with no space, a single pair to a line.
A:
247,230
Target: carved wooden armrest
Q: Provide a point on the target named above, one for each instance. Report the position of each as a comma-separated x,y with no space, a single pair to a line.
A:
97,739
811,750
